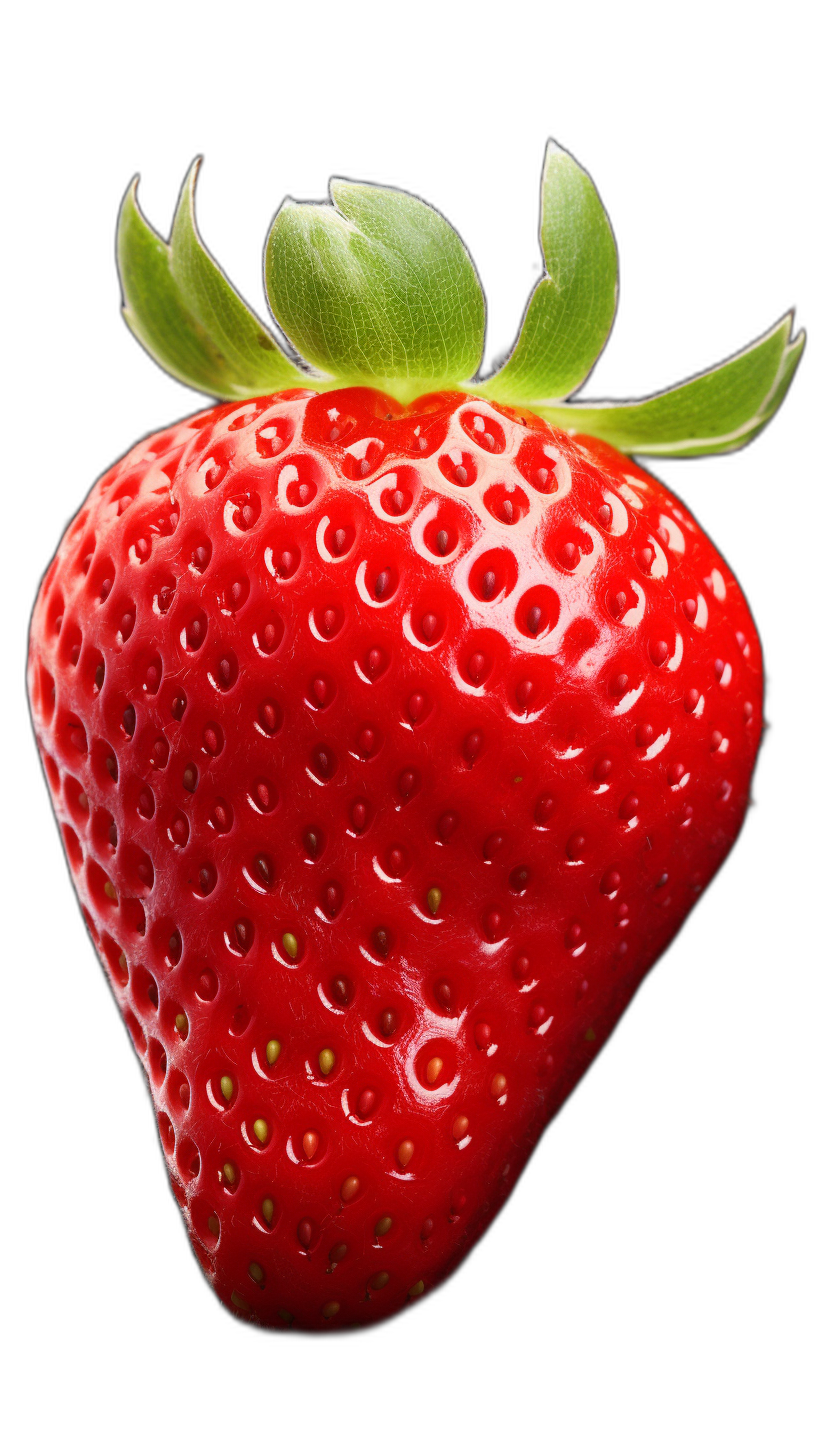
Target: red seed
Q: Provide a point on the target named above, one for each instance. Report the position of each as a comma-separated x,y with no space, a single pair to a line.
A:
366,1102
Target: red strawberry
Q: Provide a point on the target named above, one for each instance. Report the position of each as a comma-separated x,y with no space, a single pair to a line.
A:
391,744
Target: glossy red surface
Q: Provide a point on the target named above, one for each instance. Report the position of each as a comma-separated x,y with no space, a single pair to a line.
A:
407,738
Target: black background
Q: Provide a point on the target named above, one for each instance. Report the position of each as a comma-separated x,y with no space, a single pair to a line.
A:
654,1236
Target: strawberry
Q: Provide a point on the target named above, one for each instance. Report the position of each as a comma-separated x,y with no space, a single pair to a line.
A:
394,720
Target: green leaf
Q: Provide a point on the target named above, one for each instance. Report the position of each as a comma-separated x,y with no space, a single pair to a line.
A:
570,312
376,288
252,360
183,311
717,411
152,305
785,373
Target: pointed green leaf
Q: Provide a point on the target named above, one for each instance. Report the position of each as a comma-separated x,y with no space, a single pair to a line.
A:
253,362
152,305
712,413
376,287
187,316
571,310
785,373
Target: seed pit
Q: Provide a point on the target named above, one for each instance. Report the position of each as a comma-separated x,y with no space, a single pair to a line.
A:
508,504
458,467
537,612
484,431
442,534
493,576
536,462
273,437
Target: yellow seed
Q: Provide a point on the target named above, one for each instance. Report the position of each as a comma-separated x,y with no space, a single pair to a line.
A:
382,1226
123,961
213,1225
227,1088
260,1127
310,1142
273,1049
290,945
380,1280
326,1061
433,1069
256,1273
181,1024
405,1152
268,1209
330,1309
416,1289
460,1128
589,1034
230,1173
239,1301
82,800
434,899
499,1085
350,1188
110,891
287,1318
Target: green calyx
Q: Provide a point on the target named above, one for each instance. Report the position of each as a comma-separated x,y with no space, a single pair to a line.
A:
376,288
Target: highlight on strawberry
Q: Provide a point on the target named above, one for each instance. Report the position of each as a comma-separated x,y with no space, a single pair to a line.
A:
394,719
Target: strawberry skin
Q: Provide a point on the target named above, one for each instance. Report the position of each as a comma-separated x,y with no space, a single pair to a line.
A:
390,748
